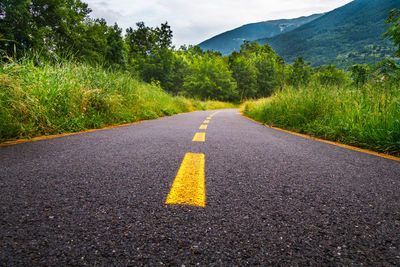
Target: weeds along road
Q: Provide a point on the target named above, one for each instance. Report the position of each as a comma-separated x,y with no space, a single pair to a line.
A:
269,197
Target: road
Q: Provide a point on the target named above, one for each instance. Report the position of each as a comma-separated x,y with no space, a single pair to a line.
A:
270,197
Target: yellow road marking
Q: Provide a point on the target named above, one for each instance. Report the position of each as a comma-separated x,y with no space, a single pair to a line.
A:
206,121
189,184
209,118
199,137
203,127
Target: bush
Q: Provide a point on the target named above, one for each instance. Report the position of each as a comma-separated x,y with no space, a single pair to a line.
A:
359,74
330,76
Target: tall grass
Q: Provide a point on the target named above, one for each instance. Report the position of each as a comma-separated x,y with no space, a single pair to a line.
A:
43,99
367,117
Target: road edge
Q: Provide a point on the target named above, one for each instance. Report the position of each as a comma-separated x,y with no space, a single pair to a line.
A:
366,151
44,137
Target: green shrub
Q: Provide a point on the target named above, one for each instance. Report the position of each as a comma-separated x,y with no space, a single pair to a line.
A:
331,76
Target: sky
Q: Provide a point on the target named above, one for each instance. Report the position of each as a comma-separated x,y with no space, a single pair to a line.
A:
193,21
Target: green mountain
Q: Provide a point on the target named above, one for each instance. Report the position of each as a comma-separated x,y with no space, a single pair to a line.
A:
349,34
230,41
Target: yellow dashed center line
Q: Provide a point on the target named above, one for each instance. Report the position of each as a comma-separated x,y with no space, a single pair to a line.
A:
215,113
199,137
189,184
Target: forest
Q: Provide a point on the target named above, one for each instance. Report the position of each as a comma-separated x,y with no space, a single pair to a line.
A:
63,29
60,35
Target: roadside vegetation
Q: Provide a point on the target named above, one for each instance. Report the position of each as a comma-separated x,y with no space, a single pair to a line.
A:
46,98
62,71
367,117
360,107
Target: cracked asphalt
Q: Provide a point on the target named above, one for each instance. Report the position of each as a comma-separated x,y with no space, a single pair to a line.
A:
272,198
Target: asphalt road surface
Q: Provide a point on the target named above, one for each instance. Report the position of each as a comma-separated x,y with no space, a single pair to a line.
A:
271,198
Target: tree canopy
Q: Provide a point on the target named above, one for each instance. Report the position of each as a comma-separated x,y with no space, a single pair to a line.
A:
63,29
393,33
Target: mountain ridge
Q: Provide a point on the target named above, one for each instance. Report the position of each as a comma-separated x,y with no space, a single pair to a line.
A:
230,41
348,34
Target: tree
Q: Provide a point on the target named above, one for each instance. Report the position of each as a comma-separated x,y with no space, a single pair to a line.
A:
387,67
150,54
210,78
331,76
179,72
140,41
389,70
115,53
393,33
41,25
17,31
267,76
144,40
163,36
245,74
257,69
359,74
92,45
158,66
300,73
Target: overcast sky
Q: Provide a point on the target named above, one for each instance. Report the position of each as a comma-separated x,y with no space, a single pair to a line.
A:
193,21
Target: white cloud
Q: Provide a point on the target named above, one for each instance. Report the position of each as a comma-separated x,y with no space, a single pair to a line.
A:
194,21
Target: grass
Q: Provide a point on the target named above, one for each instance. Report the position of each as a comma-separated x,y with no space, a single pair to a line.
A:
45,99
367,117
